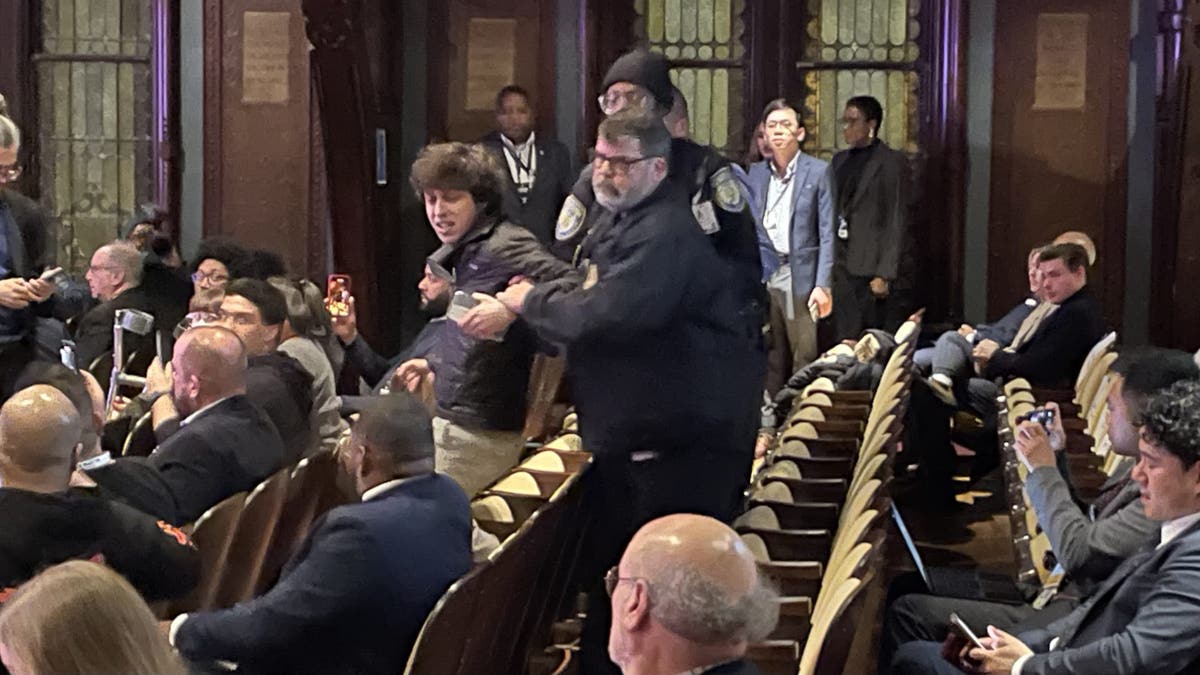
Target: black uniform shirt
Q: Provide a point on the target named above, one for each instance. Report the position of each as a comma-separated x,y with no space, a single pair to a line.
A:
43,529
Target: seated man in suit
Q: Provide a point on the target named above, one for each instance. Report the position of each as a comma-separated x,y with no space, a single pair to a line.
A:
45,524
538,169
792,200
114,278
82,390
1050,356
377,371
1141,620
225,444
950,358
355,596
1089,541
275,382
687,598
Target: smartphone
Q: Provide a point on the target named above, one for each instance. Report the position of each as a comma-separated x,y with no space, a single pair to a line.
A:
1043,416
337,295
964,630
460,304
66,354
164,345
58,277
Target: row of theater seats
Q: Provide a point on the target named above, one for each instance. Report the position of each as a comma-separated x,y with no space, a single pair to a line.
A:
1085,421
817,513
245,540
500,615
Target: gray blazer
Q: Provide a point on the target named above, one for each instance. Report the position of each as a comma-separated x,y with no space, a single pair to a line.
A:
1141,620
1088,549
810,253
877,214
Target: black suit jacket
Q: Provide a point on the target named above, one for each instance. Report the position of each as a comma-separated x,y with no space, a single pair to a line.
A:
43,529
1056,350
94,332
551,184
355,596
1141,620
877,214
33,247
227,449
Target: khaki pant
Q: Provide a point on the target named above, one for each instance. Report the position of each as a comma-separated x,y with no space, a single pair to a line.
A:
474,458
792,341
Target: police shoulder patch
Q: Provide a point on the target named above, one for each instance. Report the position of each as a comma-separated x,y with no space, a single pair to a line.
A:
725,190
570,219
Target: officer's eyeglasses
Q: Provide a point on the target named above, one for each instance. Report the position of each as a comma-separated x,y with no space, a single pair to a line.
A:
214,277
617,164
613,577
615,101
10,173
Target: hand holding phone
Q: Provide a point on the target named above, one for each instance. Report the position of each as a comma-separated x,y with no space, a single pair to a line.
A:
337,295
959,626
460,304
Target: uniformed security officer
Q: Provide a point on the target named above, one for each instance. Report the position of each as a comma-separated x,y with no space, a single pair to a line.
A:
641,79
656,352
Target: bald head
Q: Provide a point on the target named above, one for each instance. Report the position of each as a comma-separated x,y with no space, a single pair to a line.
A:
209,364
700,587
1079,239
39,434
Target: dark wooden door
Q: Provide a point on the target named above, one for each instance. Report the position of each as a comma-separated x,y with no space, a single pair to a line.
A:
1058,147
475,48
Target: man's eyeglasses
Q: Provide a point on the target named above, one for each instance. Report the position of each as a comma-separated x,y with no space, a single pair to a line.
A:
611,102
239,319
10,173
617,164
214,277
613,577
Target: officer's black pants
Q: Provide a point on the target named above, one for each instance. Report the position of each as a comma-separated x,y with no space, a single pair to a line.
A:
630,494
855,308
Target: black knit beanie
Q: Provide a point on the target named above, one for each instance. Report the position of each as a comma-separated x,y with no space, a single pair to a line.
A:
644,68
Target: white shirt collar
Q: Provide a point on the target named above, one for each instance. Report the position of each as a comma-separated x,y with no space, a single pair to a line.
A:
1173,528
788,172
203,410
518,146
388,485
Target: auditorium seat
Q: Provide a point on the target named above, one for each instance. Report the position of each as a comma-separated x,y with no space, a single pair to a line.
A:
140,441
212,534
251,538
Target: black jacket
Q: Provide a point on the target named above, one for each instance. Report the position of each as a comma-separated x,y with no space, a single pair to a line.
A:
1055,352
32,245
94,332
717,199
282,388
355,596
375,369
551,184
657,354
876,214
227,449
45,529
483,383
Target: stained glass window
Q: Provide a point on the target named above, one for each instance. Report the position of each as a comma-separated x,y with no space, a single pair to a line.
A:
703,40
95,106
857,47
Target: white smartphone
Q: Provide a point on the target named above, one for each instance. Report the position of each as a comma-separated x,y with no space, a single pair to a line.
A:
460,304
965,631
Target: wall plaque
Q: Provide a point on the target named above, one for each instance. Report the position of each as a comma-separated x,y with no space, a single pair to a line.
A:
266,57
491,60
1060,82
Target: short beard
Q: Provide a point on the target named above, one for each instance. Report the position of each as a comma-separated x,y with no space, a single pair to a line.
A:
632,197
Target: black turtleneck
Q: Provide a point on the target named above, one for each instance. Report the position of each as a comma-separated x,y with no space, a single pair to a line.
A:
849,173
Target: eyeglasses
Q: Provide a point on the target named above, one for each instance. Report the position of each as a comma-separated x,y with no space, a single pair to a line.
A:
617,164
611,102
214,277
613,577
10,173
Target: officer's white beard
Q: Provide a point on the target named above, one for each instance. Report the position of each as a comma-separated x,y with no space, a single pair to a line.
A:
612,199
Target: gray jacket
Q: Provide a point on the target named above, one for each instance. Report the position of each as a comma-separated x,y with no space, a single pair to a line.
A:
1141,620
1089,549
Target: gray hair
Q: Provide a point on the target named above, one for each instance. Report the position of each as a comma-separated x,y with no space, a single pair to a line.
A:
648,130
699,610
128,259
10,134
